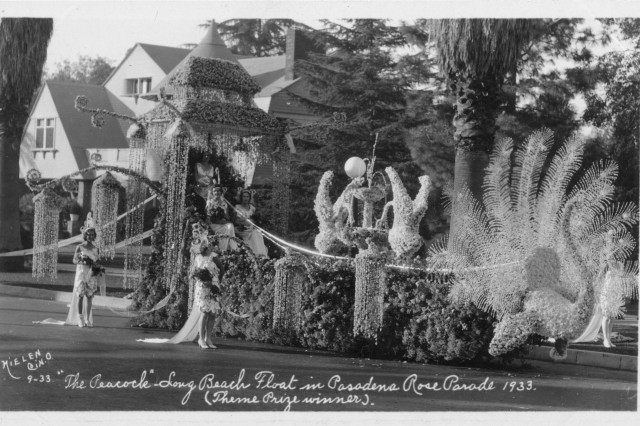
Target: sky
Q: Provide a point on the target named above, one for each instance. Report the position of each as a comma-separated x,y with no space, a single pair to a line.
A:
110,28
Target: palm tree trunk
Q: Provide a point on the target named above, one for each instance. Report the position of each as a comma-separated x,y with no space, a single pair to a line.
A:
9,194
475,123
23,51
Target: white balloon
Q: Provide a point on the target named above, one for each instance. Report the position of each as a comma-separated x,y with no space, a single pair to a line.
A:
355,167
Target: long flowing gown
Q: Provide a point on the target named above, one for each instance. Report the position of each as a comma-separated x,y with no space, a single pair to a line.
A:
248,233
83,274
202,302
609,299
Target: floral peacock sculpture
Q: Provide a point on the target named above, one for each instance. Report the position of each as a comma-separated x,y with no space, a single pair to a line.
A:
331,215
533,255
404,237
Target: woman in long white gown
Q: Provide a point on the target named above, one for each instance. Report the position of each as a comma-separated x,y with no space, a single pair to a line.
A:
245,230
205,305
86,283
609,302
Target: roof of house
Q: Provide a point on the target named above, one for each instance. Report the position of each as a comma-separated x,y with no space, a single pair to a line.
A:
77,125
166,57
265,70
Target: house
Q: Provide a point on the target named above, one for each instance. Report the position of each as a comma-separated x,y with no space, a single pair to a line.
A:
59,140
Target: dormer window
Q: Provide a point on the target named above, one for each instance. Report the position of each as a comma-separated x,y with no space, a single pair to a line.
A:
138,86
45,133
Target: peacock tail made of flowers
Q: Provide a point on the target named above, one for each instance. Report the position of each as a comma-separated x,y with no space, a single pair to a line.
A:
523,210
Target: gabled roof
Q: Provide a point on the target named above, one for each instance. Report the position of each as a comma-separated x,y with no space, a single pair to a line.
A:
166,57
77,125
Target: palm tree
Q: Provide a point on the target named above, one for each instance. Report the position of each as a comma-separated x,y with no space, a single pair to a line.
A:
475,55
23,51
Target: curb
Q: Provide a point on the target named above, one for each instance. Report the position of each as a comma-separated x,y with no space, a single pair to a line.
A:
61,296
537,353
586,358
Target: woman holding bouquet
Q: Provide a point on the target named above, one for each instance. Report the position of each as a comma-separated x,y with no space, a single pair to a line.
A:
88,273
206,273
206,278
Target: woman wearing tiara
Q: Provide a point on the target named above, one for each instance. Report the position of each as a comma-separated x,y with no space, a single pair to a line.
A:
206,275
218,218
244,229
89,276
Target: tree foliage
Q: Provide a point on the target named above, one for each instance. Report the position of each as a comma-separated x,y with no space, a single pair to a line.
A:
256,37
87,70
358,77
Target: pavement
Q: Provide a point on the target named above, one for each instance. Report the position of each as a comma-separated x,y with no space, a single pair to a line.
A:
57,368
623,357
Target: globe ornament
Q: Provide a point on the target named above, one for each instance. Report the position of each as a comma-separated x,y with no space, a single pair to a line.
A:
355,167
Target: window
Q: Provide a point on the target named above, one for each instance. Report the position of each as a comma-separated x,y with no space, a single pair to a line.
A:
45,131
138,86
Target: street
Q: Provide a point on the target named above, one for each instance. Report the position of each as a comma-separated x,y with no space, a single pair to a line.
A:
65,368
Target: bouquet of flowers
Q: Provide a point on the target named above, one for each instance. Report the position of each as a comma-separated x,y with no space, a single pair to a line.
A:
97,269
204,276
83,259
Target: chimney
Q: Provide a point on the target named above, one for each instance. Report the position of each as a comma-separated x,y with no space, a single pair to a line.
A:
298,46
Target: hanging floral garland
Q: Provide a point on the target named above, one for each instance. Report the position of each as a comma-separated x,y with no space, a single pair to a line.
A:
176,161
104,204
281,198
291,274
371,283
45,234
134,222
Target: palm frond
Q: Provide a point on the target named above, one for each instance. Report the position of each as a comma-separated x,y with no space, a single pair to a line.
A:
496,187
553,189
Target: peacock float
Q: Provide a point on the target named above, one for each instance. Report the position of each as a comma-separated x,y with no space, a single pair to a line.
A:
536,254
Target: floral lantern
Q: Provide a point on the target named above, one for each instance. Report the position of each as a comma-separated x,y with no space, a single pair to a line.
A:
104,204
211,110
289,282
371,284
48,206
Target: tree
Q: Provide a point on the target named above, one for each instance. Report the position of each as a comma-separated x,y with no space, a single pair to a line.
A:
87,70
23,51
360,78
613,104
256,37
475,55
